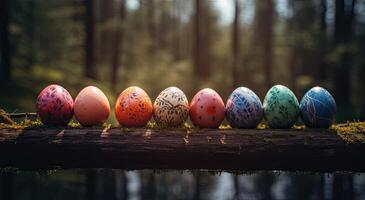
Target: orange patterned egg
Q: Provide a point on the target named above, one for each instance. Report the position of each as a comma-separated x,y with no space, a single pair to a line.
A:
133,107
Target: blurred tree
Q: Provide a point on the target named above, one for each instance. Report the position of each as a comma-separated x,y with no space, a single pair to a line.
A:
6,185
90,184
236,185
147,188
121,185
302,31
104,29
4,40
151,25
236,44
263,184
201,53
197,195
108,184
343,30
343,187
322,72
29,29
118,47
263,36
89,70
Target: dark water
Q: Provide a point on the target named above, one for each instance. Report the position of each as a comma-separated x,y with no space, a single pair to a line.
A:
147,184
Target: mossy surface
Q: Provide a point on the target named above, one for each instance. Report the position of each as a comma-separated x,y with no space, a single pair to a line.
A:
350,132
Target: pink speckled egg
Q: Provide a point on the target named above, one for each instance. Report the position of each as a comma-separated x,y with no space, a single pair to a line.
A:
207,109
54,105
91,106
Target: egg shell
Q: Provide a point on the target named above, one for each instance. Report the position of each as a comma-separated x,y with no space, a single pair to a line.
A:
281,107
318,108
207,109
133,107
171,107
54,105
244,108
91,106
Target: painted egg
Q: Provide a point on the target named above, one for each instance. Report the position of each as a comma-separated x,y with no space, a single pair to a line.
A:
244,108
55,105
133,107
207,109
281,107
91,106
318,108
171,107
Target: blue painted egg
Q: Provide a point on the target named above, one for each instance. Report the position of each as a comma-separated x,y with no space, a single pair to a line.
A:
318,108
244,108
281,107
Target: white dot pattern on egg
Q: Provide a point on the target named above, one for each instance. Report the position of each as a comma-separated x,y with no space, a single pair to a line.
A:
171,107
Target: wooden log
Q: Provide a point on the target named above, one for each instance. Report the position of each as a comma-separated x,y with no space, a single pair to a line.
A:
221,149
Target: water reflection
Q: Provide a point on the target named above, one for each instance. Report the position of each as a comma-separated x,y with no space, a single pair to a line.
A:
148,184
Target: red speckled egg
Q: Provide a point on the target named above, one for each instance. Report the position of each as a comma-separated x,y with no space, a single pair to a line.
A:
54,105
133,107
91,106
207,109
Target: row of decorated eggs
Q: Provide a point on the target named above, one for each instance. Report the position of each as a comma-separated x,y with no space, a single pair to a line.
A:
134,108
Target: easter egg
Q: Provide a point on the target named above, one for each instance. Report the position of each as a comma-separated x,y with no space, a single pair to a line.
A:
54,105
171,107
207,109
133,107
91,106
318,108
244,108
281,107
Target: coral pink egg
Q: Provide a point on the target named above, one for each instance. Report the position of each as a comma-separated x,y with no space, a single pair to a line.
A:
133,107
207,109
91,106
54,105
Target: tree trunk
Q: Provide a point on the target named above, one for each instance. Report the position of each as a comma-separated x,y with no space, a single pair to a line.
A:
197,193
90,71
90,184
151,27
343,30
268,28
264,21
323,22
236,185
322,72
118,48
4,40
147,185
201,34
122,185
7,185
337,187
30,29
236,45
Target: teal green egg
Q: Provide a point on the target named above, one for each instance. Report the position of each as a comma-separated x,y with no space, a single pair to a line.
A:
281,107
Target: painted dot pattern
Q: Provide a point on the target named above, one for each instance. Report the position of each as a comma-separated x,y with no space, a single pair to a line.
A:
207,109
171,107
281,107
54,105
318,108
244,108
133,107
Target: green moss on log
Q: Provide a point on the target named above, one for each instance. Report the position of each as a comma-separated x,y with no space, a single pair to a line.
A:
350,132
